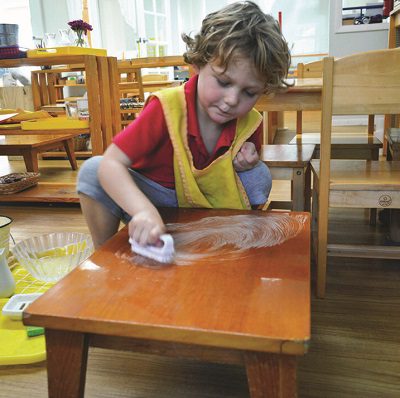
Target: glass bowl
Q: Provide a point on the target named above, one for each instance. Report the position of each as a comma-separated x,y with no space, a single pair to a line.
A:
50,257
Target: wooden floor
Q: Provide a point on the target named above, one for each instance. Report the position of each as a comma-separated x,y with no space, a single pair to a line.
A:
355,343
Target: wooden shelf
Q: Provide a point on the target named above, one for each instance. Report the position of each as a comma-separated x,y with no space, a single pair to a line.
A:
62,154
69,85
45,193
132,110
103,102
45,132
40,61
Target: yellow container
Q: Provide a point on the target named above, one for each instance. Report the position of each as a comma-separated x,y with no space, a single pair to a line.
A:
54,123
67,50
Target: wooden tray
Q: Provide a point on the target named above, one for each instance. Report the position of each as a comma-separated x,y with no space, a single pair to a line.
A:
54,123
67,50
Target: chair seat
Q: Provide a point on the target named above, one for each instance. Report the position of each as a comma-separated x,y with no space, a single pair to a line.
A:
349,140
287,155
344,146
352,185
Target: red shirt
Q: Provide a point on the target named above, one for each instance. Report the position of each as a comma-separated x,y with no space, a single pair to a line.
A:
146,140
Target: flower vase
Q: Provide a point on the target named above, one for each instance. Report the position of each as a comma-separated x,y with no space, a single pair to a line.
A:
80,41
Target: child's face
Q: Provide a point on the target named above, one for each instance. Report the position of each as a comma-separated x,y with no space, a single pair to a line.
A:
226,95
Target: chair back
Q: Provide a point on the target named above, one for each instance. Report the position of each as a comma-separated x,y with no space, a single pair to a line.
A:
360,84
364,83
310,69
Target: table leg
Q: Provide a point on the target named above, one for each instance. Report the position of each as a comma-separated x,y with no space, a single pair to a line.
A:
66,363
307,188
394,227
389,155
271,375
31,161
299,122
69,149
298,189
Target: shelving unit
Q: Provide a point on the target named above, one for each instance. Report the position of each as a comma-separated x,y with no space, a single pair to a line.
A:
103,99
48,93
132,82
48,86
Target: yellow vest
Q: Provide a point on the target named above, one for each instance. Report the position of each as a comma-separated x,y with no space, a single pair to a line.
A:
217,185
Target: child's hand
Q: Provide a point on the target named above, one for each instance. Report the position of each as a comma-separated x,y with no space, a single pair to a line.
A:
146,227
246,158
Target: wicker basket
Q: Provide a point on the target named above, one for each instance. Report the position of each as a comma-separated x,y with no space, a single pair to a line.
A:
16,182
81,142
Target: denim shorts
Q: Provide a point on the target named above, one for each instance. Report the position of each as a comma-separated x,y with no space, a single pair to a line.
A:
257,183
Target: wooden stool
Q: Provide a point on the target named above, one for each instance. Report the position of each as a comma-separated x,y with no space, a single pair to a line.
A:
291,162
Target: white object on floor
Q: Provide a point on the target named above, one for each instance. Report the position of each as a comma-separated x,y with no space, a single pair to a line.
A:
163,254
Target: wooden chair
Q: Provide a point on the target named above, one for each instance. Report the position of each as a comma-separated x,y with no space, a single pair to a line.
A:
314,70
365,83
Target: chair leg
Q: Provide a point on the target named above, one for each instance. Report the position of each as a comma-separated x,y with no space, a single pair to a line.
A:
299,122
394,228
372,216
322,249
321,269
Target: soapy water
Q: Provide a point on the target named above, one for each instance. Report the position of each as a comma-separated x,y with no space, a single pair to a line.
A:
226,237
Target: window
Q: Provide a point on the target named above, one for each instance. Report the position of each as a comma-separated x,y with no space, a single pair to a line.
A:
134,25
358,16
14,12
305,25
154,28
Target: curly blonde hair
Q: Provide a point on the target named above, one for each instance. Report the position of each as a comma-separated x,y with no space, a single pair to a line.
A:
238,30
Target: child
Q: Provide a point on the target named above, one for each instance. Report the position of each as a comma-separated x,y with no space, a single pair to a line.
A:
195,145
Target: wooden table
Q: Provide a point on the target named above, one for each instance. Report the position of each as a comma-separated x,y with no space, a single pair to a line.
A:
251,309
290,162
29,146
304,95
344,145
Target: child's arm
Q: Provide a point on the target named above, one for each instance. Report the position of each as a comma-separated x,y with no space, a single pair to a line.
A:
246,158
146,225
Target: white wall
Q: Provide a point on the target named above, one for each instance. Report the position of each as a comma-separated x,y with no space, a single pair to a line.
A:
48,16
